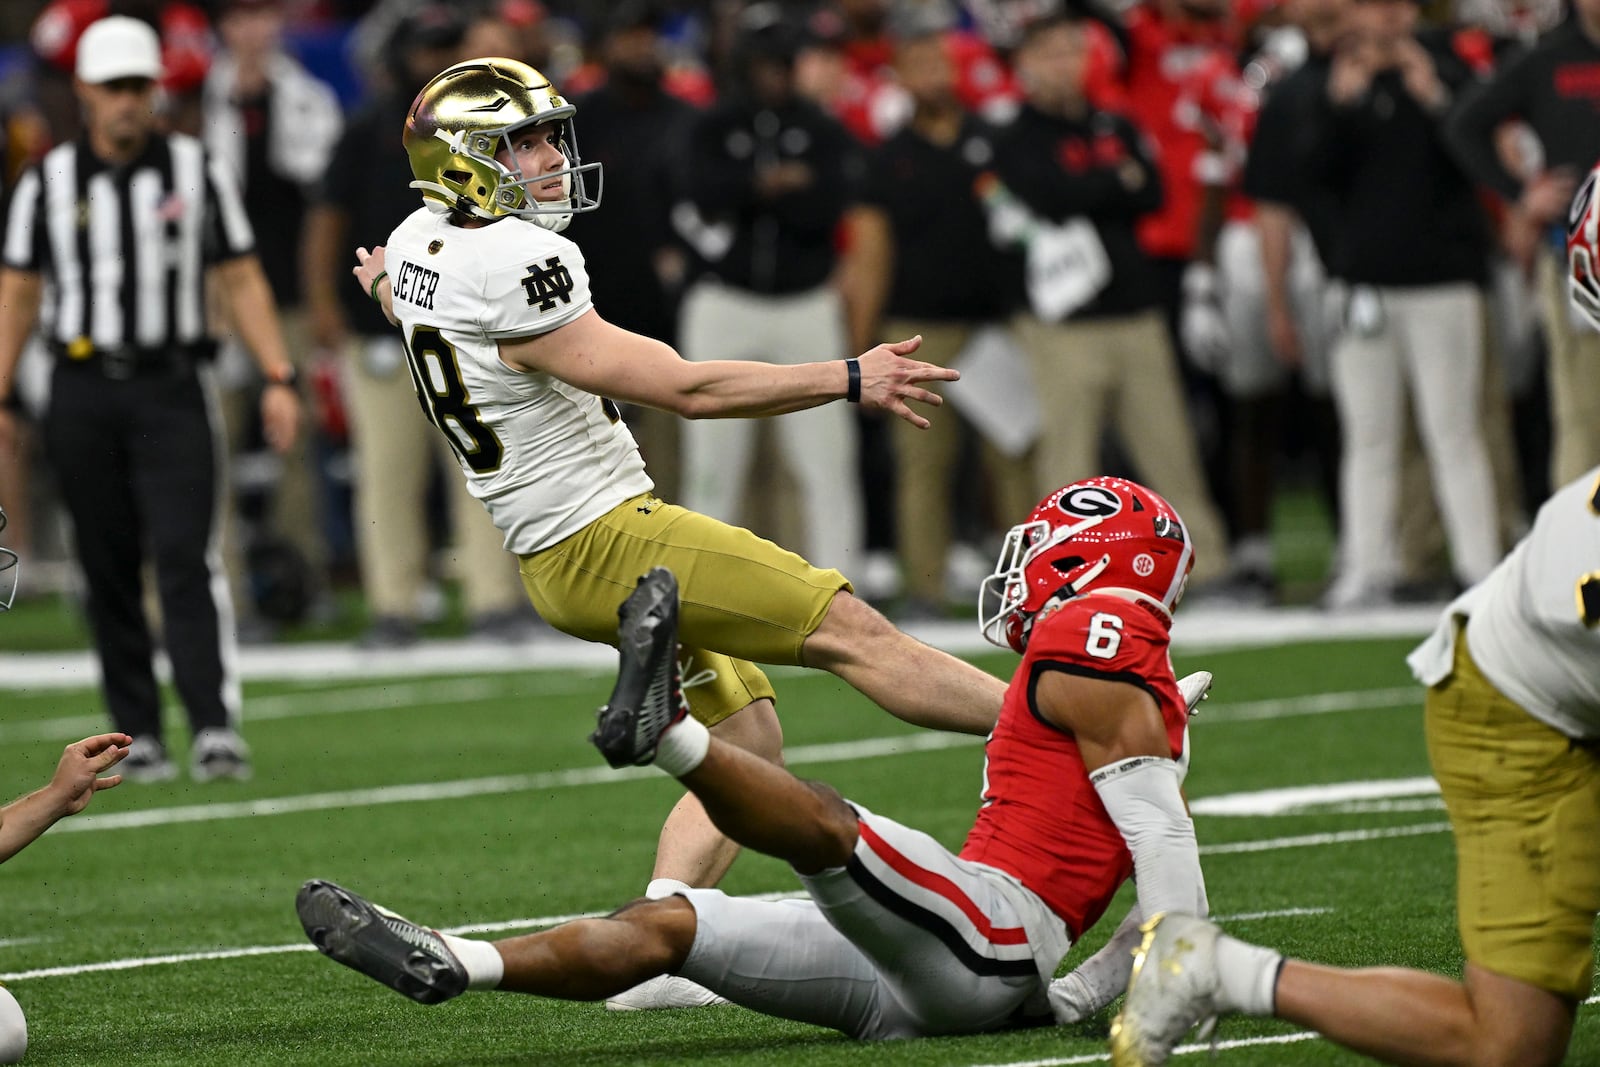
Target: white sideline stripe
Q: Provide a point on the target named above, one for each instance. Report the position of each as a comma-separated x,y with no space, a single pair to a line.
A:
1196,629
470,787
1184,1050
1296,798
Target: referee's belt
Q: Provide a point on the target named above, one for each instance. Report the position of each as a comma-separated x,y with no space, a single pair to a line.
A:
132,361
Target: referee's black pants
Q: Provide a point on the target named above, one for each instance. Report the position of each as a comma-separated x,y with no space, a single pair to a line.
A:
138,466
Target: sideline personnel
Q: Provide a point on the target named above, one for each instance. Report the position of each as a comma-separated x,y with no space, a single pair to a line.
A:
124,223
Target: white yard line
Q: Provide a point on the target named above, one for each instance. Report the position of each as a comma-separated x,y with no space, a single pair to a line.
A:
471,787
1184,1050
1197,629
839,752
1297,799
503,926
1313,704
1342,837
393,695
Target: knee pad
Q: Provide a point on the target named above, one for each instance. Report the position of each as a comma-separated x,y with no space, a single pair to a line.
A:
13,1028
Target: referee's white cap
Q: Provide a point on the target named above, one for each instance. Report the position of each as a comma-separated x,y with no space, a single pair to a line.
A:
118,47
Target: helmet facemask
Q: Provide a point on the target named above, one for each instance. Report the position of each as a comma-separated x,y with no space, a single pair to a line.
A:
512,193
9,572
1583,242
1003,594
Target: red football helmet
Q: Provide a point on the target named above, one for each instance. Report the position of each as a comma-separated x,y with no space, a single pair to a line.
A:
1583,249
1104,534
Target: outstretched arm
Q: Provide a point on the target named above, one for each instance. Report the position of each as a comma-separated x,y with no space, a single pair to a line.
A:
68,792
605,359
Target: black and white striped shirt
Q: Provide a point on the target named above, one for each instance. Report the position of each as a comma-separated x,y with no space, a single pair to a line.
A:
124,248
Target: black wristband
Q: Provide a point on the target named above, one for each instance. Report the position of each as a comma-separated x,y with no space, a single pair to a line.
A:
288,381
852,389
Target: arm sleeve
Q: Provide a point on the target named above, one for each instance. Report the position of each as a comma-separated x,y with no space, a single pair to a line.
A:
228,232
25,244
1142,797
543,290
1469,131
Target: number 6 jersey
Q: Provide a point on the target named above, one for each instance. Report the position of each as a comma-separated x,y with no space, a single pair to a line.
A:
546,458
1041,817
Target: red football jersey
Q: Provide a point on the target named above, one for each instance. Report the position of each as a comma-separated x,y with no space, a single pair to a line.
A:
1161,54
1227,108
1041,819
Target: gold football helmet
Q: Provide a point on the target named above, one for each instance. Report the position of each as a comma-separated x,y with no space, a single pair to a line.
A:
465,115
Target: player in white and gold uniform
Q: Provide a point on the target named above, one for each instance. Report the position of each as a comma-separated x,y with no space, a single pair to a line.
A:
1513,727
511,362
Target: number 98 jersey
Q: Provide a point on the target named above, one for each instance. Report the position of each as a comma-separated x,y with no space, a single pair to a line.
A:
546,458
1041,819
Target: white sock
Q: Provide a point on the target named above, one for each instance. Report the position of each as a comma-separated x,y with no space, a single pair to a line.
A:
483,962
1247,976
662,888
683,746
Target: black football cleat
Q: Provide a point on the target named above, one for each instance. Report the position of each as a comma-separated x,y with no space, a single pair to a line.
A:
648,696
407,958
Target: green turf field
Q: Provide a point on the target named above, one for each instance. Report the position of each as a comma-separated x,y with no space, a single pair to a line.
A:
514,819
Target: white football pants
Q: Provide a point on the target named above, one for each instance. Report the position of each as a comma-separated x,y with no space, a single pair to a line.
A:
907,940
1428,346
818,445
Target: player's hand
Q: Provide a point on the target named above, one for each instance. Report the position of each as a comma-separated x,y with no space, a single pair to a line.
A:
368,266
889,380
77,778
280,417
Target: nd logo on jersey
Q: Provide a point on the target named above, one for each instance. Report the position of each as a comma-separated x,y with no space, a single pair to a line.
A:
545,285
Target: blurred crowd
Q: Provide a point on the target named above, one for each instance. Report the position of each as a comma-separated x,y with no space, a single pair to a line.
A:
1223,246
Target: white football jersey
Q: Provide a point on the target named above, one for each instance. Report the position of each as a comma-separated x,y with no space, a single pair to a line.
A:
546,458
1533,625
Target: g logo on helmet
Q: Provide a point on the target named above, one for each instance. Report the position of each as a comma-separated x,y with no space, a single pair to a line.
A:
1144,565
1089,501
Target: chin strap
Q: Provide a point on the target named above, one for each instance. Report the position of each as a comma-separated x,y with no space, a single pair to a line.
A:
449,202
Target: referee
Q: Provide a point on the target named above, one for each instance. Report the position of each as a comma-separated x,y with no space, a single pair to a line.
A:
123,224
